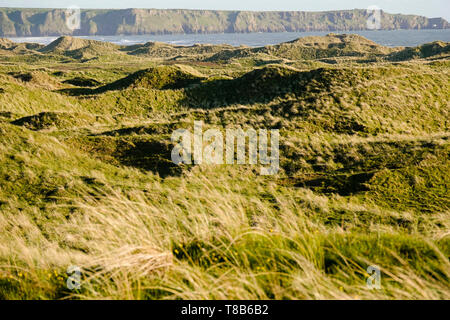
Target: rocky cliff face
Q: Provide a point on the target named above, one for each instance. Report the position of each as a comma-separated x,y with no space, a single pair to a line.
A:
47,22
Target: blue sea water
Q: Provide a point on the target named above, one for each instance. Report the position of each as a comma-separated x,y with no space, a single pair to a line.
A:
394,38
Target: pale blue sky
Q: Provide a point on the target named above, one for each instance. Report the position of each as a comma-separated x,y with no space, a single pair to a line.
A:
429,8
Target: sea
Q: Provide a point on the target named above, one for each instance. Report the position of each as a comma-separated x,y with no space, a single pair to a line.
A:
391,38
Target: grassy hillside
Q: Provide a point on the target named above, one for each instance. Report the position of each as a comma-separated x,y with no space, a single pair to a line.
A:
86,176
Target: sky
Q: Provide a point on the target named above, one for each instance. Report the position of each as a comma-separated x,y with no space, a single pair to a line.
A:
428,8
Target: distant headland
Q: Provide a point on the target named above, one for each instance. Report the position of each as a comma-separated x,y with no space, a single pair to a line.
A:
21,22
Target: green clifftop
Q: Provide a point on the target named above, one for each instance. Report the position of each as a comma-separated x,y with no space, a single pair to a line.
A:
51,22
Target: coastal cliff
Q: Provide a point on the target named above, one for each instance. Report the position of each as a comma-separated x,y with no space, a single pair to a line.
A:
18,22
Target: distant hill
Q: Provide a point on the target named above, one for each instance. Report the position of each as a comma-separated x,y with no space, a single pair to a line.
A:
329,49
15,22
63,44
435,49
162,77
307,48
7,45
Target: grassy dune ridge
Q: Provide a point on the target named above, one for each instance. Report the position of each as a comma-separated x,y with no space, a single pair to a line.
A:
86,177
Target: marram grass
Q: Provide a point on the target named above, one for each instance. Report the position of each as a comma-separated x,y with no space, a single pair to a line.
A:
86,178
